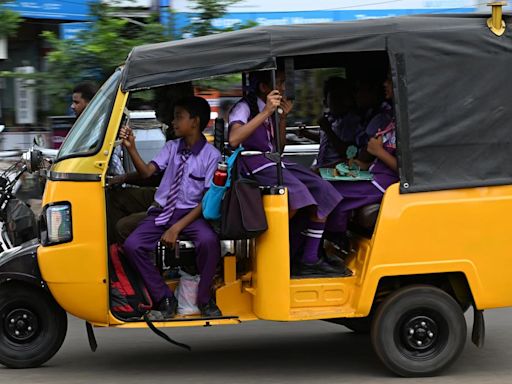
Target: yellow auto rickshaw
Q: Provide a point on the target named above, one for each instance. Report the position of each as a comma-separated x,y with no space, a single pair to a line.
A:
436,245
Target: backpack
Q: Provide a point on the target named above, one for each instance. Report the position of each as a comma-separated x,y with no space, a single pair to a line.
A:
129,298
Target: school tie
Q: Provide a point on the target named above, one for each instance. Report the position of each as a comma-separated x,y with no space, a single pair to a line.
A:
172,198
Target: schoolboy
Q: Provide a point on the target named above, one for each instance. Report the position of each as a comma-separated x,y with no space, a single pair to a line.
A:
188,164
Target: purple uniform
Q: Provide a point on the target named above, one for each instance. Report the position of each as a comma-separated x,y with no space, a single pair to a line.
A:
346,129
198,172
305,188
379,121
361,193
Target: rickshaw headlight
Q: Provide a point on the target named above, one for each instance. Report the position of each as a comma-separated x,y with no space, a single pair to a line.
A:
55,224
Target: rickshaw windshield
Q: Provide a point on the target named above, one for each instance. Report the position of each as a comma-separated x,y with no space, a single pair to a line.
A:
84,139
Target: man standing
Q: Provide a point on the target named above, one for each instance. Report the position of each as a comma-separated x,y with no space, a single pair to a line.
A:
82,95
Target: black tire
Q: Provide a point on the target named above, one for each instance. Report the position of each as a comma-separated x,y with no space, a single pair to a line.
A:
32,326
418,331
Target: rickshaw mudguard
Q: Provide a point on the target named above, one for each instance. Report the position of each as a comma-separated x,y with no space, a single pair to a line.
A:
462,231
20,264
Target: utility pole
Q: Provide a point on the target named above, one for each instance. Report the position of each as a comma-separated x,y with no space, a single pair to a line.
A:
155,8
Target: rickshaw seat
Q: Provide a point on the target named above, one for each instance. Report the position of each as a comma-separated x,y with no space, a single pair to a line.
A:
167,258
365,217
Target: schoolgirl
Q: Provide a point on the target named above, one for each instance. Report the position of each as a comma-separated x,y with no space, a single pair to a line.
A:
382,145
250,125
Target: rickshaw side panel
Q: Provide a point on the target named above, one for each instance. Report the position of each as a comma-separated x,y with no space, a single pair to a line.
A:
456,231
76,272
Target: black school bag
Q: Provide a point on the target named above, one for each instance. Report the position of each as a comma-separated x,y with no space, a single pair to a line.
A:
129,298
243,216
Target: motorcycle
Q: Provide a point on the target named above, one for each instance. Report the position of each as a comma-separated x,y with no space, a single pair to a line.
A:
18,223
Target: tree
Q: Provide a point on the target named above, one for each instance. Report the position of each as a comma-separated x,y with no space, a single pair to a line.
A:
207,12
10,21
202,25
94,54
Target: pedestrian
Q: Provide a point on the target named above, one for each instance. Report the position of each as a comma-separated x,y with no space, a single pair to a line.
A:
82,95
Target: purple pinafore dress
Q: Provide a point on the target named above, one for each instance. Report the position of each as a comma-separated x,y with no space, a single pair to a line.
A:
357,194
305,188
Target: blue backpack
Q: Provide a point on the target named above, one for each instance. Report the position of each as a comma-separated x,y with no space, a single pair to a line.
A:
212,199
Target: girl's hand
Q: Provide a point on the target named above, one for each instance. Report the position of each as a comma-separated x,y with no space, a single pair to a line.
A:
273,101
361,164
287,106
375,146
170,237
323,122
126,134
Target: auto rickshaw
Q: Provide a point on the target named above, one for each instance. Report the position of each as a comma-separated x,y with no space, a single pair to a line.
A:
437,244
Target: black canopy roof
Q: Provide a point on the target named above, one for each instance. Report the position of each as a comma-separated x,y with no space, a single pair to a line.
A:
451,76
256,48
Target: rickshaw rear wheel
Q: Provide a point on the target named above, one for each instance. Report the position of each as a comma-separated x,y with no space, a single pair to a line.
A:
33,326
418,331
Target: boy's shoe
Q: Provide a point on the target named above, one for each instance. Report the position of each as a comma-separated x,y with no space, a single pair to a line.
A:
210,309
167,309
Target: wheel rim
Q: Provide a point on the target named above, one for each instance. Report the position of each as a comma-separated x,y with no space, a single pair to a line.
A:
421,334
21,325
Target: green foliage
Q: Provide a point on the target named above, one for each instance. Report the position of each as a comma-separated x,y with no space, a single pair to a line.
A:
10,21
93,55
221,83
208,11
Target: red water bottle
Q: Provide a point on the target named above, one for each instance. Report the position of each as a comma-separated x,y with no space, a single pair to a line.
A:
221,174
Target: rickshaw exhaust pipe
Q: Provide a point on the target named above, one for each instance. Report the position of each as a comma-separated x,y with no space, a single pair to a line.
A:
496,23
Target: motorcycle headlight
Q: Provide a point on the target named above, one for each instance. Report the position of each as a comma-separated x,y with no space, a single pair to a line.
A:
55,224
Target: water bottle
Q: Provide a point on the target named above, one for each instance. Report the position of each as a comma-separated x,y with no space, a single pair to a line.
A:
221,174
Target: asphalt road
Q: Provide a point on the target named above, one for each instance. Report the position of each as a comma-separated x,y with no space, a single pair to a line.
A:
257,352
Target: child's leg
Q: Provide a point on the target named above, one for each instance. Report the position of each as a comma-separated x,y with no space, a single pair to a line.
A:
297,226
137,248
207,256
305,189
355,194
324,195
313,239
326,198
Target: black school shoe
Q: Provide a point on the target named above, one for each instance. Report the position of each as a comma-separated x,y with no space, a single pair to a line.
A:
209,309
322,268
167,309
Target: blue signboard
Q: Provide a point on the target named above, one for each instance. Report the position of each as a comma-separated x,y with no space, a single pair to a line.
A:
69,31
230,20
283,12
50,9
